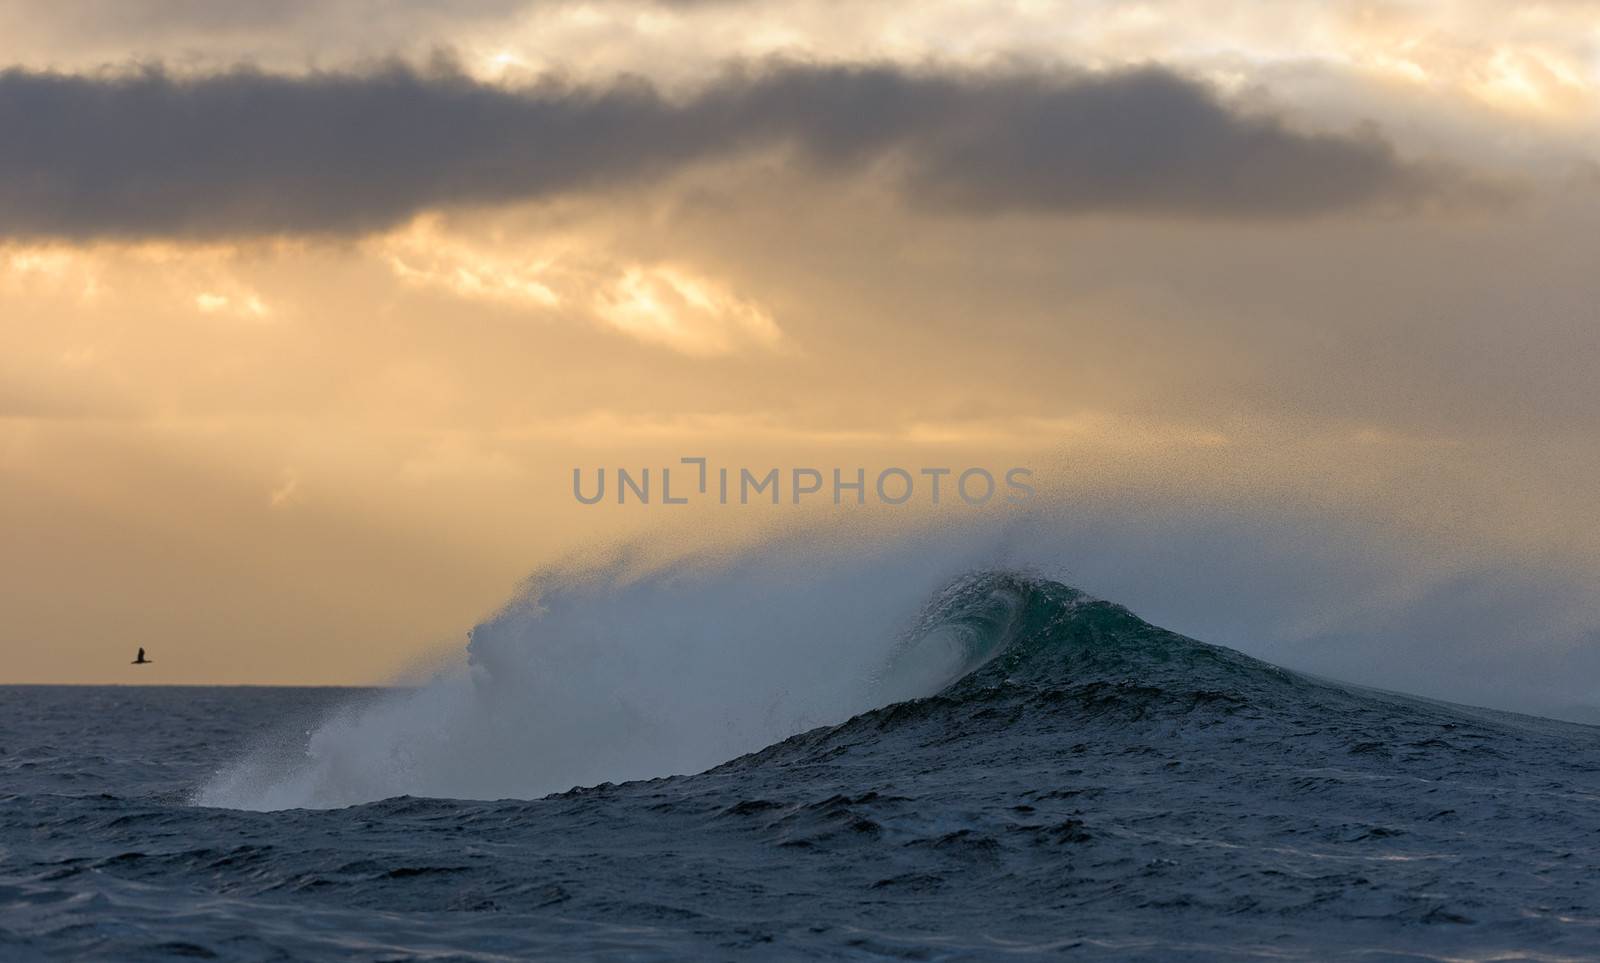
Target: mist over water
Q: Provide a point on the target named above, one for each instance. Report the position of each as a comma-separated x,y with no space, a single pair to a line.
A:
606,673
626,669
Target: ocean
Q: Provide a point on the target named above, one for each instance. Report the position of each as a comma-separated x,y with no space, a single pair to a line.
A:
1025,772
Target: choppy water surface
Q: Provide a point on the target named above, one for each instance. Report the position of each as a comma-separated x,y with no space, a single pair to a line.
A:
1082,784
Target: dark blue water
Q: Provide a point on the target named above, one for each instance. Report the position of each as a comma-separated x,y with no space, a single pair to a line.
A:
1093,787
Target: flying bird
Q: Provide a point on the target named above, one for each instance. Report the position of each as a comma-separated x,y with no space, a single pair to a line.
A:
140,659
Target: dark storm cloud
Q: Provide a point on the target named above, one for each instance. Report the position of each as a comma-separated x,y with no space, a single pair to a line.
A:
248,153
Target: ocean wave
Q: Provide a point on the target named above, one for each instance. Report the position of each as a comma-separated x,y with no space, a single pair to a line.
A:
608,676
625,670
606,673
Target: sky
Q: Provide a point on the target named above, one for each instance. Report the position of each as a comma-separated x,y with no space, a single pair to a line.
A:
309,310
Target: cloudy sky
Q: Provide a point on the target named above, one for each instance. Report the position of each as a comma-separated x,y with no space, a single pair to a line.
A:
308,310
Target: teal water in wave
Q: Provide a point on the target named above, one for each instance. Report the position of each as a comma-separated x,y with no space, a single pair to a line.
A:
1072,782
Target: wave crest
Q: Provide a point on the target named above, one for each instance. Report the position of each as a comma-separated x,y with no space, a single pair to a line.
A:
606,673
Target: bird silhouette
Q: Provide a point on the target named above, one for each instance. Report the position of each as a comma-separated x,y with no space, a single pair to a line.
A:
140,659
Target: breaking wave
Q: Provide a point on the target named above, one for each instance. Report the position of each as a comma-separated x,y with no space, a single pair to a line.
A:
621,671
607,673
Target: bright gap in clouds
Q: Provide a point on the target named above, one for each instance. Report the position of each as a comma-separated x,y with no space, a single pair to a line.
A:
559,278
